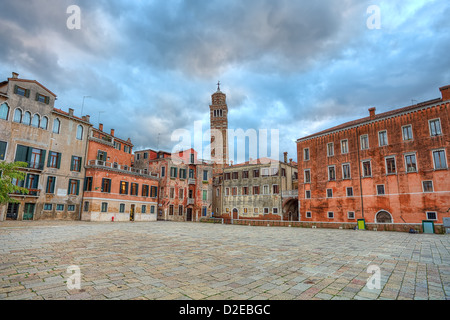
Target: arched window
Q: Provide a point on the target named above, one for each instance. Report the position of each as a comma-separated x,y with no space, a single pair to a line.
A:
4,111
44,123
56,125
18,115
27,118
35,121
80,132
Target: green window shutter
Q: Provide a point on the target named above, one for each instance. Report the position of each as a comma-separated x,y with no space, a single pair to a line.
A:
27,93
68,187
37,96
59,160
49,158
16,87
78,187
42,159
109,186
71,164
126,187
21,153
47,100
80,164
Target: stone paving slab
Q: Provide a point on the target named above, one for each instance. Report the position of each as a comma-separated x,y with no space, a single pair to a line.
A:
182,261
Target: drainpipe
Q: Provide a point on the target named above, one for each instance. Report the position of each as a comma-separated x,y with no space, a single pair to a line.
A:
359,170
84,179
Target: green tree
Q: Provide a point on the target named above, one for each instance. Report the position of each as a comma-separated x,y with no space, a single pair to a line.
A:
8,172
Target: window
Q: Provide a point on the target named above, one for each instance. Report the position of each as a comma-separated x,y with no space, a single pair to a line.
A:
3,146
346,171
344,146
205,175
331,173
180,210
275,210
144,209
275,189
330,215
172,193
32,181
307,174
351,215
75,164
50,187
390,165
102,155
104,206
34,157
245,191
308,214
256,190
349,191
173,172
86,206
152,209
329,193
192,158
73,187
255,210
26,118
308,194
123,187
227,176
256,173
407,132
410,162
367,169
227,191
122,207
183,173
163,172
44,123
145,190
204,211
48,206
234,191
17,116
266,210
171,210
88,184
330,149
21,91
439,159
427,186
265,172
80,132
364,142
153,191
43,99
4,111
380,189
306,154
205,194
244,174
59,207
266,189
56,126
54,160
431,215
36,121
235,175
435,127
106,185
134,189
71,207
382,138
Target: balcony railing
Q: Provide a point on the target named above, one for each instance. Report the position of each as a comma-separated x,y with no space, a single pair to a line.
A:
118,167
31,193
190,201
191,181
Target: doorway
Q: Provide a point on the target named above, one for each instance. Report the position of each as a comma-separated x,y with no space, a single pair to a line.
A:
13,211
28,211
235,214
132,212
189,214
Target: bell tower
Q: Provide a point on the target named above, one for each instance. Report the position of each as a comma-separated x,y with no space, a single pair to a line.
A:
219,128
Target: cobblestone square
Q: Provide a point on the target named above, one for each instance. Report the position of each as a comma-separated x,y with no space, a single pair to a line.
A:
176,260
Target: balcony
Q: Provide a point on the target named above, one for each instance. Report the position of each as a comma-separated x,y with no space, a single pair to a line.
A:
35,193
190,201
120,168
191,181
35,165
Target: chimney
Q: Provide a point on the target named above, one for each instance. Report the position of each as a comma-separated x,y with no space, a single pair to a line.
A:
285,157
15,75
88,118
100,126
70,112
372,113
112,132
445,91
290,161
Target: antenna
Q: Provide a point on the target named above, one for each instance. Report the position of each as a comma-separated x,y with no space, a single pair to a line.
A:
99,116
82,106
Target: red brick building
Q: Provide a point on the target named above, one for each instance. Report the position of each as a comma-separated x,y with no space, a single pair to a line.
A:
185,183
389,168
113,188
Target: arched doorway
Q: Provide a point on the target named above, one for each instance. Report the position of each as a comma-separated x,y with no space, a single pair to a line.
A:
235,213
383,217
290,210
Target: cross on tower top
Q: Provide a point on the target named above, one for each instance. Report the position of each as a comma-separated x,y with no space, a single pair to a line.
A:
218,86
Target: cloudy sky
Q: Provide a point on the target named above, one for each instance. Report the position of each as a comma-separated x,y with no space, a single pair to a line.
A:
295,66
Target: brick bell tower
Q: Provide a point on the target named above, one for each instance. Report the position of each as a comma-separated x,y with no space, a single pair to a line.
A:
219,121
